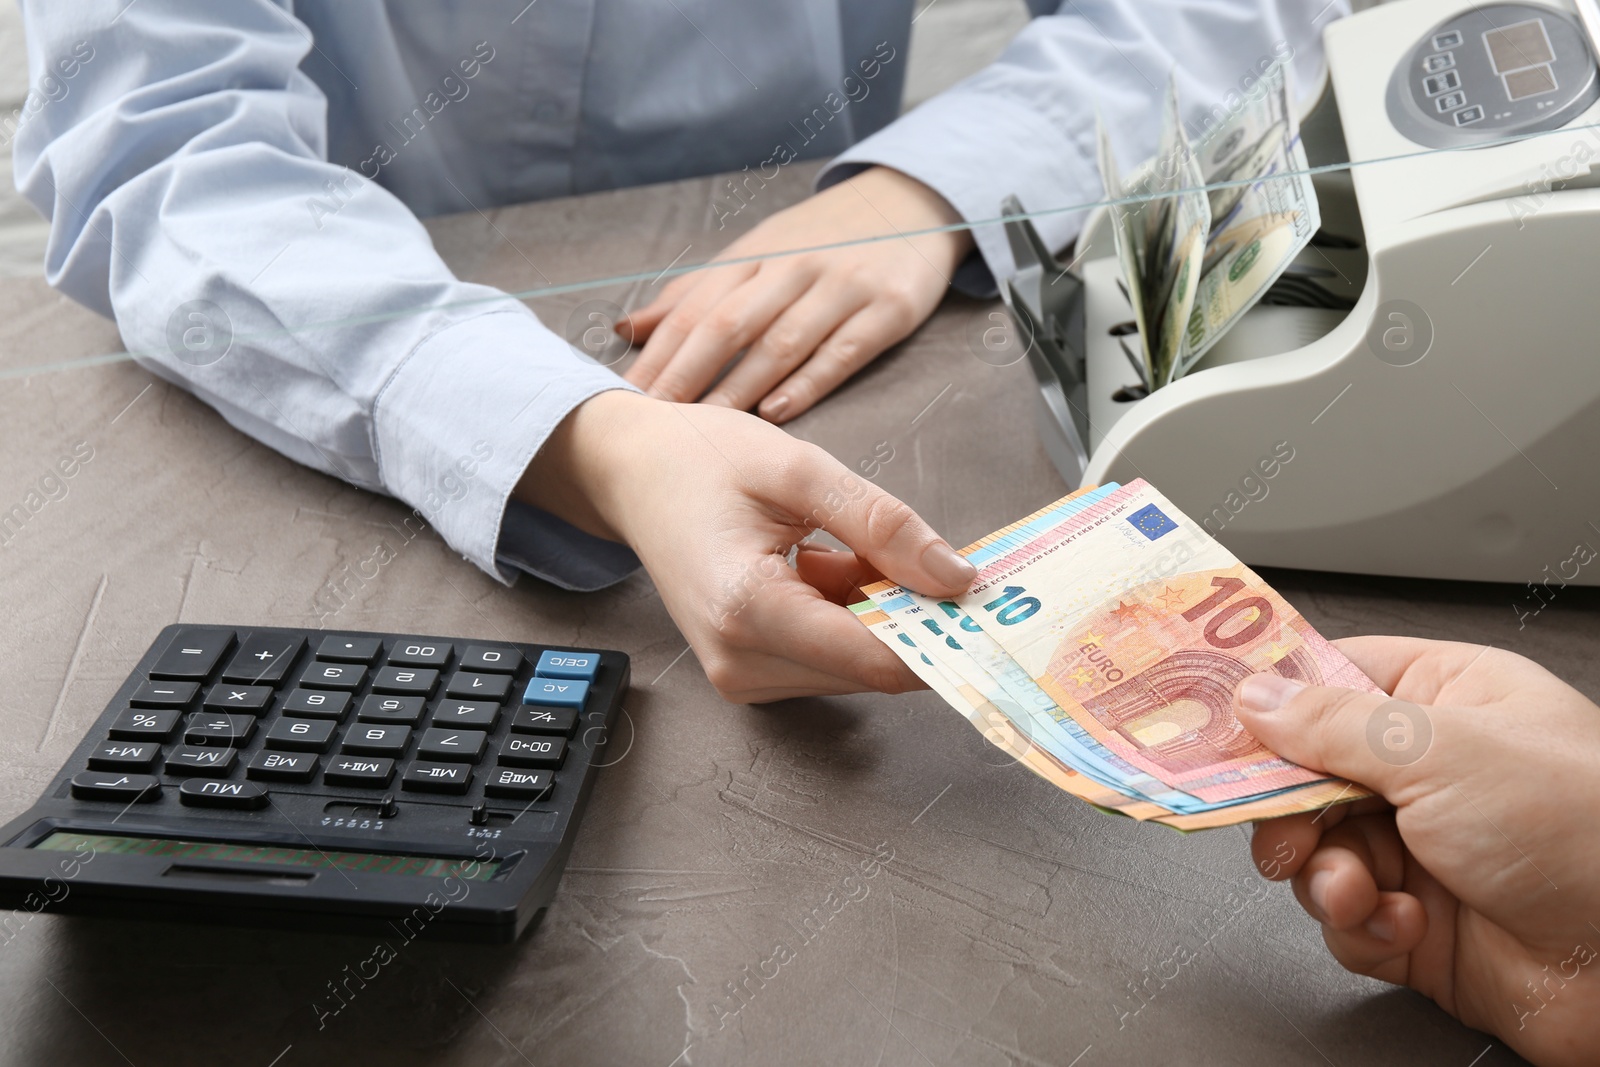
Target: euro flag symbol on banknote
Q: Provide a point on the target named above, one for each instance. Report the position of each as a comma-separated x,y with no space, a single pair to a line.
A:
1152,522
1101,646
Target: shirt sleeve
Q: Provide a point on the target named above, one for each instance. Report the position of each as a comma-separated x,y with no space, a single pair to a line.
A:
1025,125
184,172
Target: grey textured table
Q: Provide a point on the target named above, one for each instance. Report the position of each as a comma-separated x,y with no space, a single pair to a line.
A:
852,880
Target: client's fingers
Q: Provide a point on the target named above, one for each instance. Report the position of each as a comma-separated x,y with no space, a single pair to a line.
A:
1381,946
1336,886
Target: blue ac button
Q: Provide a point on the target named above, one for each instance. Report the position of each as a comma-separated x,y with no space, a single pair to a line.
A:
556,693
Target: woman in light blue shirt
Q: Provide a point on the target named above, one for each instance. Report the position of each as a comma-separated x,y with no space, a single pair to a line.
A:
238,185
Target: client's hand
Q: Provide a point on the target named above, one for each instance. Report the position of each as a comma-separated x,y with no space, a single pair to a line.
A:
712,500
809,320
1476,879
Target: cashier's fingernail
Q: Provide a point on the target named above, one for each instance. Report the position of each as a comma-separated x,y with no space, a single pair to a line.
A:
947,565
1267,692
1381,926
774,408
1317,890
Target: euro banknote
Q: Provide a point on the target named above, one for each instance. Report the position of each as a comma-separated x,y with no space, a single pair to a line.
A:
1101,646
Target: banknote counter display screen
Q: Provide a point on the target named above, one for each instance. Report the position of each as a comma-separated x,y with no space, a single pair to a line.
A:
270,855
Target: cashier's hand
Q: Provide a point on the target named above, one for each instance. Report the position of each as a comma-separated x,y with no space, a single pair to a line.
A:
1475,878
712,500
809,320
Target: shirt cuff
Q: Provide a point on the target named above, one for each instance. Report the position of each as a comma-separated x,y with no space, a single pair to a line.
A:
1001,149
456,426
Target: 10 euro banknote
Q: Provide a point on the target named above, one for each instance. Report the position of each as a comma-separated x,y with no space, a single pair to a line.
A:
1101,646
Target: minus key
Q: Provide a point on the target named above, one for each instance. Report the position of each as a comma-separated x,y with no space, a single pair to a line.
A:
153,694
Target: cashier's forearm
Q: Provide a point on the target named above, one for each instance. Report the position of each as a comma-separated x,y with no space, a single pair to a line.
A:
584,463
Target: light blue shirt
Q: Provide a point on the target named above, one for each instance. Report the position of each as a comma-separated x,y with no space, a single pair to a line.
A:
238,185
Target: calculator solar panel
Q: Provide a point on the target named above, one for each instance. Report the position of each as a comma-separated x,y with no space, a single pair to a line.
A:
345,781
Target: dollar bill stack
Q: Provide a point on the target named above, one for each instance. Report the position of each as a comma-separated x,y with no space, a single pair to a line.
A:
1203,230
1101,646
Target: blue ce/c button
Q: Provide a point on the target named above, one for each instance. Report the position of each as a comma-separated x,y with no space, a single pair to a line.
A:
568,665
556,692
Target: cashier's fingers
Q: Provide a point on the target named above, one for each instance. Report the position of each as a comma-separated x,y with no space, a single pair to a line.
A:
838,576
788,343
793,642
1381,946
726,328
669,333
884,531
637,326
853,345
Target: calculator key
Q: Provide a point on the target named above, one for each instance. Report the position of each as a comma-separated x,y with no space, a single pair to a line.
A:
137,725
125,756
518,784
209,761
282,767
419,681
334,676
227,697
164,694
491,658
300,735
263,659
349,649
477,714
406,710
354,770
192,654
580,665
413,653
437,778
370,740
315,704
478,686
109,785
533,751
452,746
210,729
533,720
555,693
223,794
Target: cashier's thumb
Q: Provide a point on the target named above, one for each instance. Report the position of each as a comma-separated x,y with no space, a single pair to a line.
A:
893,538
1370,738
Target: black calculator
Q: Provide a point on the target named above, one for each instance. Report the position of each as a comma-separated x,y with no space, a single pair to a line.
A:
358,782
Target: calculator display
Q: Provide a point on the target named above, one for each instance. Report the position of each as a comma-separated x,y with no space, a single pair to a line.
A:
272,855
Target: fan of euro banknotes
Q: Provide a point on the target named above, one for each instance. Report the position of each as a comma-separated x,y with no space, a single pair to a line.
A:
1203,230
1101,646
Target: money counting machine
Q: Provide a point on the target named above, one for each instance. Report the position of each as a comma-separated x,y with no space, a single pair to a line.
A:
1420,394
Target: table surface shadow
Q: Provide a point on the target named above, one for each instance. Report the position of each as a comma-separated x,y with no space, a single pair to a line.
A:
854,880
